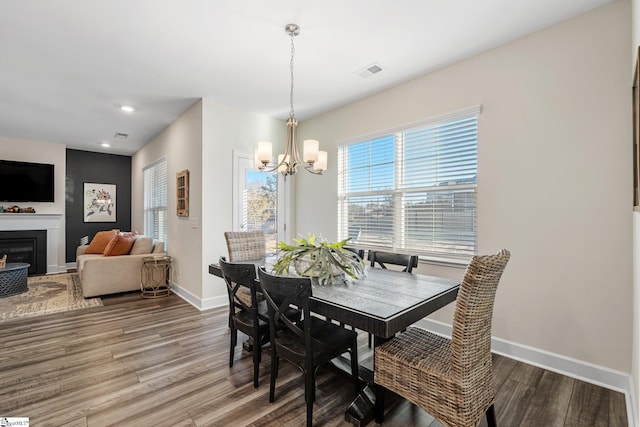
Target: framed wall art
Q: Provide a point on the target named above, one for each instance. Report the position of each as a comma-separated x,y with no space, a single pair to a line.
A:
182,193
99,202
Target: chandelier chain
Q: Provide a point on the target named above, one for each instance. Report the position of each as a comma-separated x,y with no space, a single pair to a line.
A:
293,52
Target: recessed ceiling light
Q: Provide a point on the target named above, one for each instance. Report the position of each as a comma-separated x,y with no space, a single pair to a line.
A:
127,108
105,145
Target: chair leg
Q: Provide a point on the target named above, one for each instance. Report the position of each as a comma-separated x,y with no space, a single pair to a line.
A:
354,364
274,374
370,339
234,341
309,393
491,417
379,405
256,358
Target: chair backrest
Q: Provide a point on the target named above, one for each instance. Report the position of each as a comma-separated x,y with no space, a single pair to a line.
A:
237,276
245,245
359,252
471,338
281,292
409,262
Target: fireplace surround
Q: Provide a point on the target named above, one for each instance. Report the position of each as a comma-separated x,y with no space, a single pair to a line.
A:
53,224
28,246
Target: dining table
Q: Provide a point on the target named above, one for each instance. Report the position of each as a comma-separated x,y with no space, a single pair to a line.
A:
381,302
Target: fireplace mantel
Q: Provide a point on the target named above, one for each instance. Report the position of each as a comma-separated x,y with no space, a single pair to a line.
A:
53,223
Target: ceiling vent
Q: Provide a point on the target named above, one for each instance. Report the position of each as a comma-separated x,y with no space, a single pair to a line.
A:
121,135
369,70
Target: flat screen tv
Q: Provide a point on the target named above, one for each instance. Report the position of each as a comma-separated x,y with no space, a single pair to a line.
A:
26,182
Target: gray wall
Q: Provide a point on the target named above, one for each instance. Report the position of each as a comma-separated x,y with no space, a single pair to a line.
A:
85,166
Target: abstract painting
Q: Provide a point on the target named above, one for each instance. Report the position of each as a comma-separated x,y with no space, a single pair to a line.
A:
99,202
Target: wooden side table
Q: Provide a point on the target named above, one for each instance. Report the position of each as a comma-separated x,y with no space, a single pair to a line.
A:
155,277
13,279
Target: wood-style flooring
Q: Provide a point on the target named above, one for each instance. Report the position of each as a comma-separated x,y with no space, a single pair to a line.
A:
161,362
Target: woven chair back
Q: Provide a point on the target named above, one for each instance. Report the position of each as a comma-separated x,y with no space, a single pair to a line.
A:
471,338
245,245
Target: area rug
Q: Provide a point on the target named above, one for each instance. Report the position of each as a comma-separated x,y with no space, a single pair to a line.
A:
47,294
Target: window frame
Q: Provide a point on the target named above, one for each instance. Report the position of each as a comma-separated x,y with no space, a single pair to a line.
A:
159,205
399,191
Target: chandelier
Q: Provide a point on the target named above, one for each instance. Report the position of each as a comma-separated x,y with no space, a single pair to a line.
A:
313,160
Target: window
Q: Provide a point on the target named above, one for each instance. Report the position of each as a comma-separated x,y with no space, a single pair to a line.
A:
255,200
155,200
413,189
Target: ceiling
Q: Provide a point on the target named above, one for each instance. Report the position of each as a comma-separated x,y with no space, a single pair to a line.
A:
66,65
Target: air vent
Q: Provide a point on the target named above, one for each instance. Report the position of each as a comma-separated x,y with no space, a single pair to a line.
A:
369,70
121,135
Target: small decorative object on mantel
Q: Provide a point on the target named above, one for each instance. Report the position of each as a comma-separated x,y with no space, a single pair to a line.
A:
3,261
326,263
18,209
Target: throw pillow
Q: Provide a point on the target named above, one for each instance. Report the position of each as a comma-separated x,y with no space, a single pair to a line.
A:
100,241
143,245
120,244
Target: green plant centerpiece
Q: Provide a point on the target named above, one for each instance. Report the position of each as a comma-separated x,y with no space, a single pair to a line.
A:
328,263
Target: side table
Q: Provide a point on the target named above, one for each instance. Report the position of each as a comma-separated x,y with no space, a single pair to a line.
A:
155,277
13,279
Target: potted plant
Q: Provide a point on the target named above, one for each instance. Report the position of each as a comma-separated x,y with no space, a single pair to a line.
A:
328,263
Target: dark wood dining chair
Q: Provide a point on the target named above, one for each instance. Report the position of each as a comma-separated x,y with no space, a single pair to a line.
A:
250,319
381,258
451,379
245,246
359,252
307,344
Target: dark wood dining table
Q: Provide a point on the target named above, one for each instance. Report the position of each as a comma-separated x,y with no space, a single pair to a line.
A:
383,303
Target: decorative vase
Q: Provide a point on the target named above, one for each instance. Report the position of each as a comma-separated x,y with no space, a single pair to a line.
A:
302,266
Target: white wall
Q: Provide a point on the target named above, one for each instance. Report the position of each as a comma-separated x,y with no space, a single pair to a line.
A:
225,129
201,140
181,144
554,175
635,43
42,152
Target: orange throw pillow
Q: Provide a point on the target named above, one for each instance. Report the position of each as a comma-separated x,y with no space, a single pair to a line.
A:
120,244
100,241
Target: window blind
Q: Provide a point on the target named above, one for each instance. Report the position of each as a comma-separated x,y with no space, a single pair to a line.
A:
155,200
413,189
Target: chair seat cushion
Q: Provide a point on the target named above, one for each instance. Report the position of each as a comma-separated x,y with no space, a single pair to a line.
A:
417,348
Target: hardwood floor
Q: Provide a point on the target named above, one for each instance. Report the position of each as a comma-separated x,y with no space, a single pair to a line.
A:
163,363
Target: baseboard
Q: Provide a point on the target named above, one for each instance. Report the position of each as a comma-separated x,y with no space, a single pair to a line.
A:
196,301
574,368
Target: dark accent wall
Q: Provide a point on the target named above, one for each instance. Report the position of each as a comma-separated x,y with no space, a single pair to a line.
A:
86,166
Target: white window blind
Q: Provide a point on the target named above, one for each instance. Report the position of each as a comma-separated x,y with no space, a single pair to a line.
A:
413,189
155,200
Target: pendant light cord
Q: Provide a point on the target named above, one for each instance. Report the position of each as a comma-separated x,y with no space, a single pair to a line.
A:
293,52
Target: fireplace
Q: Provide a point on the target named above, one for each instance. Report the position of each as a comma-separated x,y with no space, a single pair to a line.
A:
28,246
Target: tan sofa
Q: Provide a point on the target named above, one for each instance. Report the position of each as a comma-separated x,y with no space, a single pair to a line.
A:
102,275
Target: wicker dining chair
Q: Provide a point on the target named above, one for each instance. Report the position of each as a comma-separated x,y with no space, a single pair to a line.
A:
245,245
452,379
250,319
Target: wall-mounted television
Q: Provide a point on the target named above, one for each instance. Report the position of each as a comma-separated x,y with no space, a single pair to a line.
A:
26,182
